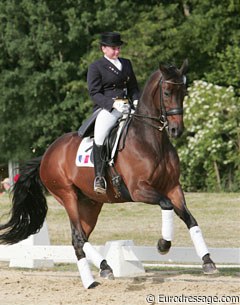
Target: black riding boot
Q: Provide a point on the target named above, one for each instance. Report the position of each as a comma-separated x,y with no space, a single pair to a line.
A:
100,184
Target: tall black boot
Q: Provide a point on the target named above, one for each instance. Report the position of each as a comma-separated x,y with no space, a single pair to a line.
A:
100,184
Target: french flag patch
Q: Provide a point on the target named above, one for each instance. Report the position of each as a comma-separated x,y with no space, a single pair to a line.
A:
83,157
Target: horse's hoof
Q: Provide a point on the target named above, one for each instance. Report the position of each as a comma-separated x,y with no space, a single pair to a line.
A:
93,285
209,268
163,246
107,274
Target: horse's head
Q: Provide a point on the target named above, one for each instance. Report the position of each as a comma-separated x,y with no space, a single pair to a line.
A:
172,87
162,100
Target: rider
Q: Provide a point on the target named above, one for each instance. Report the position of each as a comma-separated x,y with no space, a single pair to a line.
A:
112,85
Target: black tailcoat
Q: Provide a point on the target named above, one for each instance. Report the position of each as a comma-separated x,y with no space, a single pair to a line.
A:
106,82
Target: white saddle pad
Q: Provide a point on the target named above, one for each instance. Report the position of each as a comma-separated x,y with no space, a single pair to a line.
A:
83,157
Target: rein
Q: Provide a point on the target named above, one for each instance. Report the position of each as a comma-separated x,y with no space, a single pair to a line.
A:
164,114
160,119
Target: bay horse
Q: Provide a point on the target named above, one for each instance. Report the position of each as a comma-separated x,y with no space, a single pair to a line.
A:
148,165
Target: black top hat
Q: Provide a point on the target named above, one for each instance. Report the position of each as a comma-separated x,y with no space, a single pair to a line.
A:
111,39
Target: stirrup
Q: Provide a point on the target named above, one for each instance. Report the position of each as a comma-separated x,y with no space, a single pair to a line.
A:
100,185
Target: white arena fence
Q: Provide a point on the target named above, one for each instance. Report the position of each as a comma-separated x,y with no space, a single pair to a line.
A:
65,254
123,256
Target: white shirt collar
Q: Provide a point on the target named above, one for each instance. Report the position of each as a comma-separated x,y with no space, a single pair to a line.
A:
116,62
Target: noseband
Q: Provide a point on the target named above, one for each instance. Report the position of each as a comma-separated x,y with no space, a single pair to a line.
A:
164,114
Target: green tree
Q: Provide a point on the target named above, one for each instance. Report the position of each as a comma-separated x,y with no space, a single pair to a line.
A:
227,69
210,152
38,75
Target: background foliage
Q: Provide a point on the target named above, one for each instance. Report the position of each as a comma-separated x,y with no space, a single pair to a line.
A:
47,45
210,150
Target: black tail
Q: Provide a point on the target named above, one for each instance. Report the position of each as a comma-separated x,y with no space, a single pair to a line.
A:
29,207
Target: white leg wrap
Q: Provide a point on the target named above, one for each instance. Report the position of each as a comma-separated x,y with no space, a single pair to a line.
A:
167,224
198,241
92,254
85,272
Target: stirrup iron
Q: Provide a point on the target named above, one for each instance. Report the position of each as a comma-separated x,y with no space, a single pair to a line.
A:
100,185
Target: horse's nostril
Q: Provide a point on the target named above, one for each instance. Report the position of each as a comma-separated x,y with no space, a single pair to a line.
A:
175,132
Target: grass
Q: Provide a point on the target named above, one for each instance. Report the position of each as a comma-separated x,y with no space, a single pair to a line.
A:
193,271
218,215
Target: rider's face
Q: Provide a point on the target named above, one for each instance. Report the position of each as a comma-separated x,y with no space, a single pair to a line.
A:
111,52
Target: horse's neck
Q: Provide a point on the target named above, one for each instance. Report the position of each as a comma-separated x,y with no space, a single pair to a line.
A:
147,107
144,128
145,131
149,142
148,104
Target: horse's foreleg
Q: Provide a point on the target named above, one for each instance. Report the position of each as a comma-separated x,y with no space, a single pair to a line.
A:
146,193
182,211
164,243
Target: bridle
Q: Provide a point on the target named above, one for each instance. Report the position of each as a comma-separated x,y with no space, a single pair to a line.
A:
173,111
164,114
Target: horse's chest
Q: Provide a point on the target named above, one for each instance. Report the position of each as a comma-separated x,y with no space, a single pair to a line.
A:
167,172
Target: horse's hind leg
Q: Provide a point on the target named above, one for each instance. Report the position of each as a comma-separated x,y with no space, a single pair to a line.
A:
84,248
182,211
83,215
88,214
99,262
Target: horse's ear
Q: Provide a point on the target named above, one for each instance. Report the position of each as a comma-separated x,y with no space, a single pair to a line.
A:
184,67
164,70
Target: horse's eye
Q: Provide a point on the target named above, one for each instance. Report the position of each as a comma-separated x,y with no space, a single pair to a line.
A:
167,93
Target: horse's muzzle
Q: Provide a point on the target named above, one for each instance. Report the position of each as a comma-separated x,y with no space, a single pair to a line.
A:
175,130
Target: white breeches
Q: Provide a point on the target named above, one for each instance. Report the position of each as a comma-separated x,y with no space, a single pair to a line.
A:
104,122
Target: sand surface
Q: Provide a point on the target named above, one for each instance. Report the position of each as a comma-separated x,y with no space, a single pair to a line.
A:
48,287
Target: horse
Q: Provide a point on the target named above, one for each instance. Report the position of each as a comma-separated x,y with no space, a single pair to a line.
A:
147,163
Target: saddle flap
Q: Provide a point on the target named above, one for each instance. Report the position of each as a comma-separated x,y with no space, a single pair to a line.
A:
87,127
